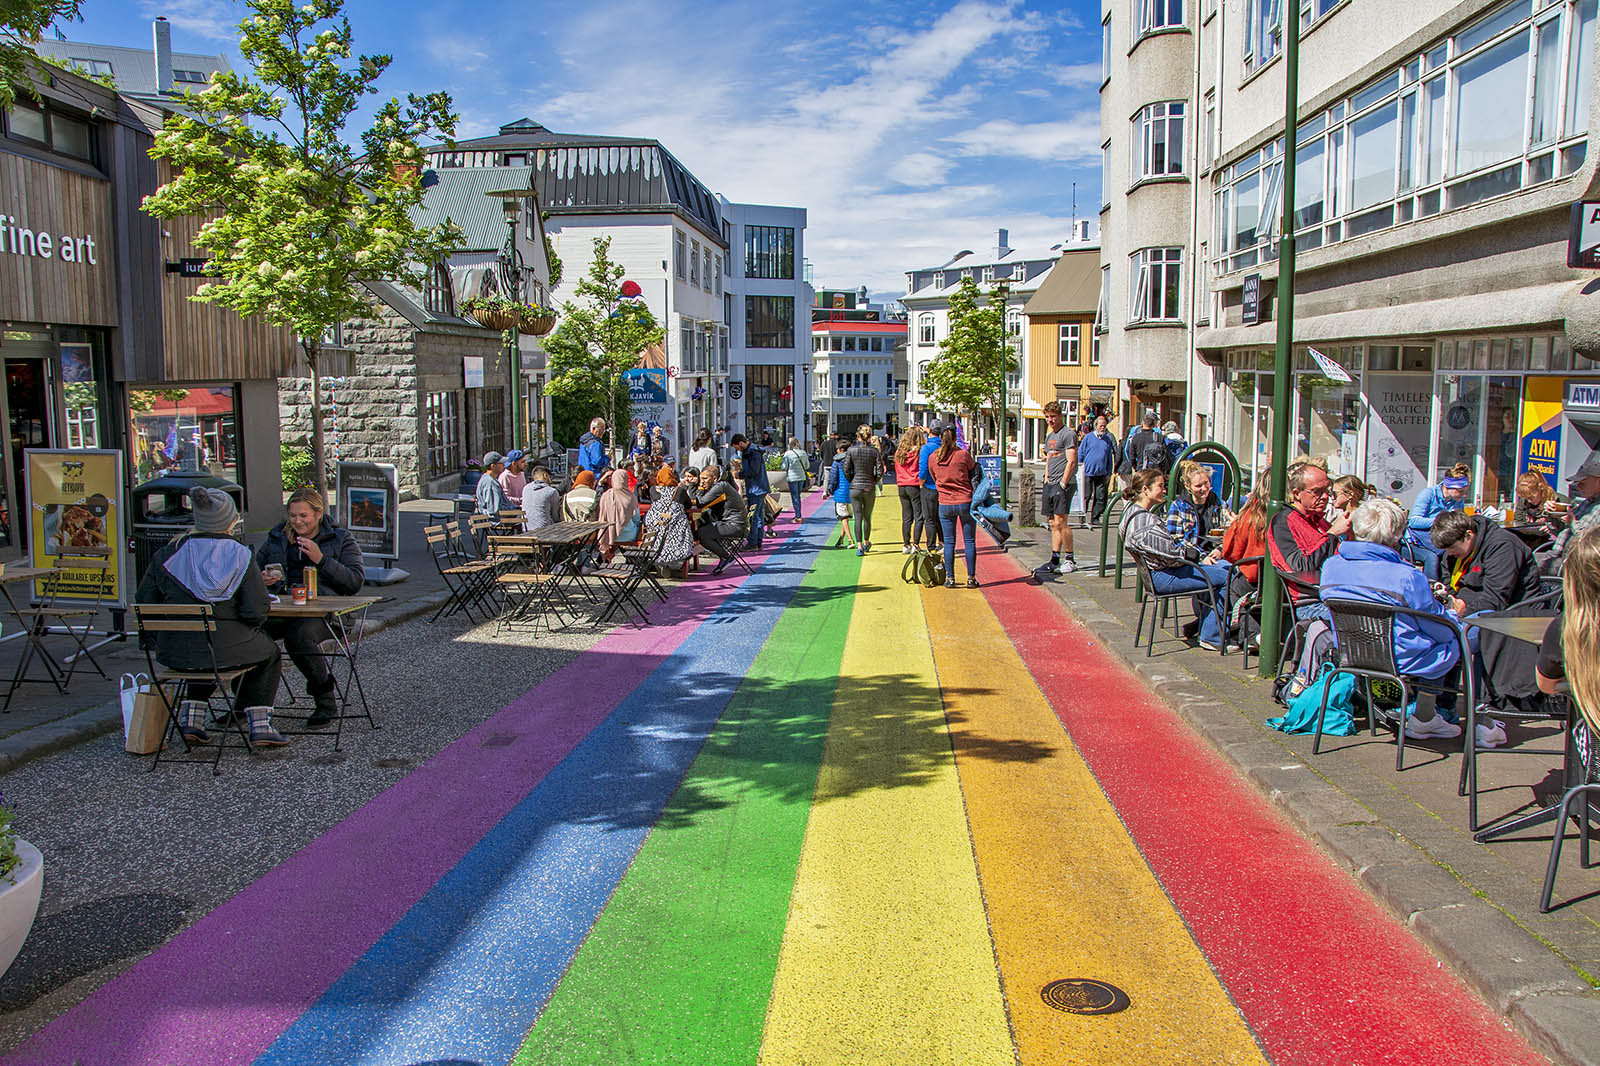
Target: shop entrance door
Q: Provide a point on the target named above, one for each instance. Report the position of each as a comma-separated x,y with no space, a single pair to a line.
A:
29,405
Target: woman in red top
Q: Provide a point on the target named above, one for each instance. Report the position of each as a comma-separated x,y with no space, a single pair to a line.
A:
1246,538
912,520
952,469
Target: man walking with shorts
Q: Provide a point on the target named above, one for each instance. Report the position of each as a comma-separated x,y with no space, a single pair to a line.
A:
1060,485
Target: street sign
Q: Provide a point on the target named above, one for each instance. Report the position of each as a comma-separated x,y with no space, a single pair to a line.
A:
368,498
1252,299
191,268
991,469
1583,242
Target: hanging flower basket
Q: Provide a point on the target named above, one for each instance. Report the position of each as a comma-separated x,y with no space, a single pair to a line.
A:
537,321
496,318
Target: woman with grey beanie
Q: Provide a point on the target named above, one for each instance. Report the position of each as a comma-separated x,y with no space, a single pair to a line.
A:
209,566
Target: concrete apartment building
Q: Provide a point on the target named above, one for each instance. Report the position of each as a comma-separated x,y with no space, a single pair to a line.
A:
766,309
927,303
858,363
1441,148
666,230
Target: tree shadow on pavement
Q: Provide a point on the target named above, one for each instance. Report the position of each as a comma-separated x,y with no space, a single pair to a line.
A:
68,944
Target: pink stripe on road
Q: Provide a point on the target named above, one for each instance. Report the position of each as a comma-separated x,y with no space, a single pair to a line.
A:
224,989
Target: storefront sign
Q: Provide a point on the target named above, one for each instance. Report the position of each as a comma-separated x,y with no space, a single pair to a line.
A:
75,504
1583,242
1251,307
650,401
1329,368
18,239
191,268
1583,395
472,371
1397,435
991,469
369,507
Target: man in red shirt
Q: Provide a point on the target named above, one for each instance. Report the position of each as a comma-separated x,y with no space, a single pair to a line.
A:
1300,538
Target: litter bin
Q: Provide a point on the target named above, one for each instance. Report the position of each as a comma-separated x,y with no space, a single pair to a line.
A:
161,512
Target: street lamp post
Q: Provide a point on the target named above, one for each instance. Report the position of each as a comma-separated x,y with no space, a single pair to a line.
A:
514,282
1000,404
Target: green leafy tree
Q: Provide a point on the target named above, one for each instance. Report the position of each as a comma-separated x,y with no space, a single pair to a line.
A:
296,218
597,341
972,358
23,22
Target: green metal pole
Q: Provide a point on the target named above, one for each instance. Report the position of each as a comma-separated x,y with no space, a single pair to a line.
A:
515,354
1000,404
1283,364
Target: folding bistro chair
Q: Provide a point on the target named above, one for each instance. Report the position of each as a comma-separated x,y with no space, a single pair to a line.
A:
461,579
623,577
153,618
1159,602
1364,636
1581,795
57,611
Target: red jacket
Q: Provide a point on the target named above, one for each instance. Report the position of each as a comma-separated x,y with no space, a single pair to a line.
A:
1299,544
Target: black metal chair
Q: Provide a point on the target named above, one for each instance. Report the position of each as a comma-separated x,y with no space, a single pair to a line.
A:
1159,602
1364,632
1583,793
173,685
1293,628
64,606
623,576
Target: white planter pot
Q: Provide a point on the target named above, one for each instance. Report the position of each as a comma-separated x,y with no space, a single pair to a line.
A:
777,481
19,902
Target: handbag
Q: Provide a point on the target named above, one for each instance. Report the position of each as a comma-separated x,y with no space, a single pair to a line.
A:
144,714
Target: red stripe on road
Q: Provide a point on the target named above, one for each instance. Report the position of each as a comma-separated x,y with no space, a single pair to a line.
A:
1322,974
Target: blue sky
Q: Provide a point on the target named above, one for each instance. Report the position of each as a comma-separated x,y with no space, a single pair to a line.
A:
908,130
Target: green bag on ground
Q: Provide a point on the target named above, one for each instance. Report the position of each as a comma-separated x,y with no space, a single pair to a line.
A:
930,568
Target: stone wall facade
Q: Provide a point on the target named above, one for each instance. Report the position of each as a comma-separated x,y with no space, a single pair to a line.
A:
377,413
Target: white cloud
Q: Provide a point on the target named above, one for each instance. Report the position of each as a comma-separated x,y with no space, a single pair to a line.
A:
463,55
216,20
1075,75
1070,140
920,169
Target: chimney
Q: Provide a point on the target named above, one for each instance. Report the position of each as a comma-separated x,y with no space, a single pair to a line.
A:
163,34
1003,244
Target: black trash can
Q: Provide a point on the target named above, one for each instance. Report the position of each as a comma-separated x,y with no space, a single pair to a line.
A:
161,512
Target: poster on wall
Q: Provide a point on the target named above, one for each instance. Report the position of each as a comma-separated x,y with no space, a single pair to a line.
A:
369,507
1397,435
651,403
75,505
1542,420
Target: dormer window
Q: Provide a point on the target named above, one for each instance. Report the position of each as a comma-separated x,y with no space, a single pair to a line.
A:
438,296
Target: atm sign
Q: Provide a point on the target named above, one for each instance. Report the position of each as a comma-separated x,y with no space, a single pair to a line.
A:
1583,396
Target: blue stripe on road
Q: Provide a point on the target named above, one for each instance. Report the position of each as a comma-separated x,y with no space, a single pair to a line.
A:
464,975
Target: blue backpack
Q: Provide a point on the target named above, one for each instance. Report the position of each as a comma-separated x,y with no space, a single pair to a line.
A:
1303,706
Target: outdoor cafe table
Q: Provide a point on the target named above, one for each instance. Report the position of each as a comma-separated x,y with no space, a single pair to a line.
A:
1531,630
346,618
545,540
35,639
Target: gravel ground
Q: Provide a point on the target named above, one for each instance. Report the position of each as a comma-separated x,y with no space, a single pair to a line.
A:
133,857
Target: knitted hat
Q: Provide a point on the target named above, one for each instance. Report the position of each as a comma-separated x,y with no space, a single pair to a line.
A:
214,510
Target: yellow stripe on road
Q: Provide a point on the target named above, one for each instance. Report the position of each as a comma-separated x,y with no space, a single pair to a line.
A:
1068,893
886,957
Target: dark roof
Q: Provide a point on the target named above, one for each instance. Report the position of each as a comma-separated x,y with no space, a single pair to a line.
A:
461,194
134,69
1072,287
580,174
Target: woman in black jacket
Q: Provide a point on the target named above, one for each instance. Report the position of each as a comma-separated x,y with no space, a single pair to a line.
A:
209,566
308,540
862,465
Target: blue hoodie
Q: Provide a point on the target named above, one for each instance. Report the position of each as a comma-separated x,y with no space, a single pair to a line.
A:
1375,573
1097,454
1431,503
592,455
839,480
922,463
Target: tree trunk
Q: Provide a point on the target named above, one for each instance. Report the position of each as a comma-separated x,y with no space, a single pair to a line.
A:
318,462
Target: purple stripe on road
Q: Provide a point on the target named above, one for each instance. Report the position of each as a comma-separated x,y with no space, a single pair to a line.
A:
224,989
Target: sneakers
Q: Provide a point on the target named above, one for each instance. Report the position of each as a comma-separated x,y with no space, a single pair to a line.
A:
972,582
1208,646
905,550
1434,728
262,734
1491,734
1068,566
861,551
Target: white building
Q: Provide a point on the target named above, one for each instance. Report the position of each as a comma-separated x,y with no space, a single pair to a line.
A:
858,363
666,231
927,303
766,311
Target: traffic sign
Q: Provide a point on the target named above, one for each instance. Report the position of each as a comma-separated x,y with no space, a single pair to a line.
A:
1583,242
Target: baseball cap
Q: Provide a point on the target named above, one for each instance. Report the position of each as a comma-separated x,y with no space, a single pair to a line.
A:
1590,468
493,458
936,427
514,454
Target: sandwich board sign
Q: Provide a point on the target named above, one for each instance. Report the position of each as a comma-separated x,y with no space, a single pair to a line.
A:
1583,242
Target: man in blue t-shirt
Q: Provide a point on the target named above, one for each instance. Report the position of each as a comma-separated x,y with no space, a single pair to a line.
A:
930,492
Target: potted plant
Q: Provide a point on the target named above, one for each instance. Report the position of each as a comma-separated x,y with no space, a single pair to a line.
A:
777,479
537,320
21,880
495,312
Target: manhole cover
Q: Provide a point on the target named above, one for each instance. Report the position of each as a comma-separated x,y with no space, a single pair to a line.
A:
1081,995
498,740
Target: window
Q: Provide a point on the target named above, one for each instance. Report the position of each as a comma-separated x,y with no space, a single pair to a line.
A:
1152,15
988,274
1101,321
437,296
849,344
63,133
1067,344
769,252
1013,322
722,344
1105,50
1156,285
1019,272
195,428
678,255
190,77
99,68
694,262
925,328
705,268
836,344
1158,141
1208,131
938,279
444,433
1202,267
719,275
686,345
877,344
1105,176
769,321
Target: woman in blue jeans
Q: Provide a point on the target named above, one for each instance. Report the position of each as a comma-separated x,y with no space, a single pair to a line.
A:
1174,565
952,470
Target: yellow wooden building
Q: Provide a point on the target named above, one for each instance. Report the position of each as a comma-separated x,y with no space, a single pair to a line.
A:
1064,358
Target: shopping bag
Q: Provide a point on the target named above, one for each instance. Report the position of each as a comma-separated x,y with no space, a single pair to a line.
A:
144,715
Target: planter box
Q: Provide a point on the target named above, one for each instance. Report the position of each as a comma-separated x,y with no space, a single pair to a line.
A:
19,902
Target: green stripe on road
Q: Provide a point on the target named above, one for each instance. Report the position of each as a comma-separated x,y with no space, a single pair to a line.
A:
679,967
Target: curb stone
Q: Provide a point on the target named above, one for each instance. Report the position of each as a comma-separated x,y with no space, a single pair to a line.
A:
28,744
1515,974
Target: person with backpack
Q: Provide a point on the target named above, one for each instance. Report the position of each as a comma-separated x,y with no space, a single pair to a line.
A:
1175,566
863,464
1174,442
1145,449
909,482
